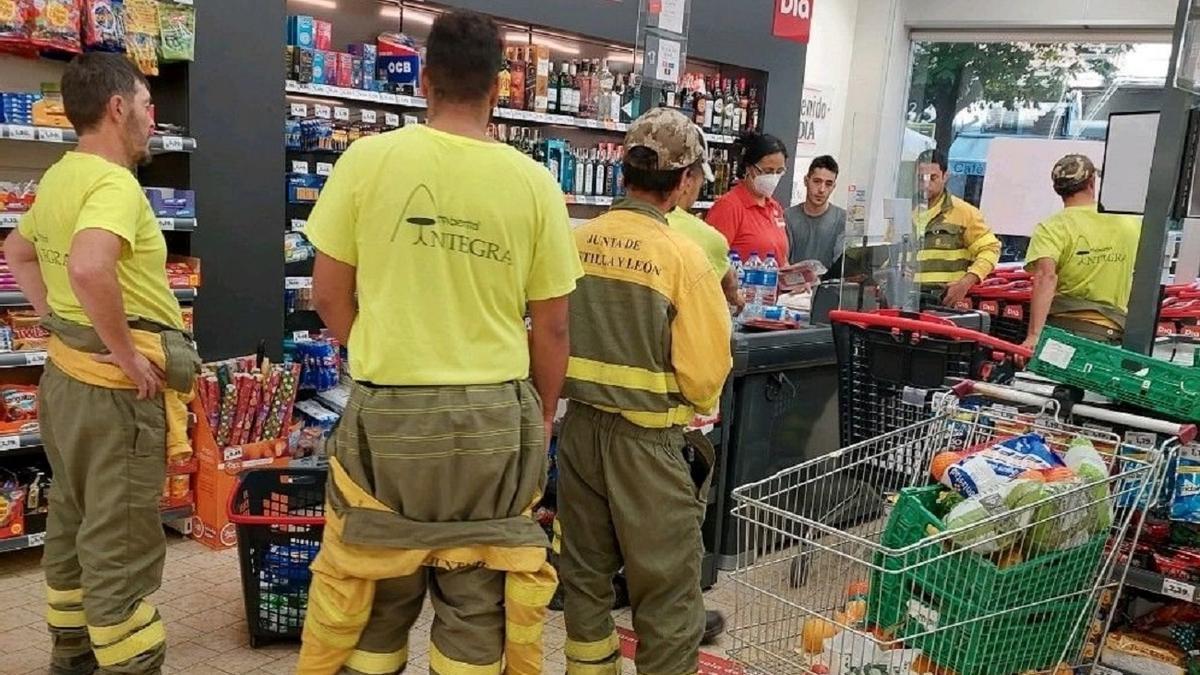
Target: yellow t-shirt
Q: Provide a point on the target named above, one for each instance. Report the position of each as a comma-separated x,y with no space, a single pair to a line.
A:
713,243
451,238
85,191
1094,253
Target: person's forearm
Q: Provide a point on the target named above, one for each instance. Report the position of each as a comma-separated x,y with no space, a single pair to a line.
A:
100,296
549,351
1044,287
729,285
29,277
338,315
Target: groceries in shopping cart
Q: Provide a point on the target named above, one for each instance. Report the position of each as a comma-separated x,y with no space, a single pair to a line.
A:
1003,578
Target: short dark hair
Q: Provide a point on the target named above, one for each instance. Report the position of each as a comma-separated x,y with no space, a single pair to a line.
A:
934,157
824,162
90,82
658,181
463,55
1065,191
754,146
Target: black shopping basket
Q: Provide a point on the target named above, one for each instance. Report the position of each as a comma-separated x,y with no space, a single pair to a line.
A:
280,516
1007,301
889,363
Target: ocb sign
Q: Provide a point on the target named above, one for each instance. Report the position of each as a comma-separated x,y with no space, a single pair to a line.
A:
793,19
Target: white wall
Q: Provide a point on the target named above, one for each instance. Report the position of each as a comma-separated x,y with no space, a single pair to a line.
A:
877,81
827,66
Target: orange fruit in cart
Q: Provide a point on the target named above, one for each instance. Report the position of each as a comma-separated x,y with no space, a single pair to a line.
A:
858,589
943,461
814,634
856,611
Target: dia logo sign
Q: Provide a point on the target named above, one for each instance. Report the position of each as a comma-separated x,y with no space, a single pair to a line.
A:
793,19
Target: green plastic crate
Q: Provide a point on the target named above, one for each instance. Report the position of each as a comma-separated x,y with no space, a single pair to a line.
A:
1141,380
965,586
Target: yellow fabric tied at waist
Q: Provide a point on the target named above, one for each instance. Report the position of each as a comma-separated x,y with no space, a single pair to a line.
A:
343,589
84,367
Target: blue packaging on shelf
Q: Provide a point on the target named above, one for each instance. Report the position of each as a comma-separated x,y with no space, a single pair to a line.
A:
399,62
356,72
318,68
172,203
304,188
369,54
302,31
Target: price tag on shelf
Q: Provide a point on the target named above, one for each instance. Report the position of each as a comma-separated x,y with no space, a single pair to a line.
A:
299,166
324,168
166,224
411,119
610,125
37,539
1173,588
35,359
391,119
340,113
9,219
172,143
297,283
21,133
322,111
298,224
368,116
9,443
299,110
183,2
50,135
301,336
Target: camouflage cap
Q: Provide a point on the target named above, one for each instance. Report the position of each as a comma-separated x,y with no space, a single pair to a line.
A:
1072,170
673,137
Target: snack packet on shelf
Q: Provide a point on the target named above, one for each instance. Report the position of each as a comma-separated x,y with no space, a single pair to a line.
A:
56,25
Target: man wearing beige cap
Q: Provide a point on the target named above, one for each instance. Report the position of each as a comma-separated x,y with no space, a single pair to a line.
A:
1081,260
649,348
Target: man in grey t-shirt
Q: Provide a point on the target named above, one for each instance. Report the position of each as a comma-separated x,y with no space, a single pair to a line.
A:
816,229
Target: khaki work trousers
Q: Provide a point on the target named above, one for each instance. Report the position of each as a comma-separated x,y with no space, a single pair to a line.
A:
104,547
635,498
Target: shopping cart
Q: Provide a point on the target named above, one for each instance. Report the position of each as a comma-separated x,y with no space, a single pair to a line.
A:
850,566
890,363
280,517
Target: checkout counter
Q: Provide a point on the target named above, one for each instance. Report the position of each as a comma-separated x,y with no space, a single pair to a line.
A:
779,409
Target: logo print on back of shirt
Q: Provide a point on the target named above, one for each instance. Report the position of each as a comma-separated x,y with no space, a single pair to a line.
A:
419,210
422,210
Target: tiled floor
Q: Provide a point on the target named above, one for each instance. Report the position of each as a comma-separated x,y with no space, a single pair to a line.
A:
201,600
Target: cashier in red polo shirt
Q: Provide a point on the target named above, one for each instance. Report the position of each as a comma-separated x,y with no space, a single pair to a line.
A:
749,217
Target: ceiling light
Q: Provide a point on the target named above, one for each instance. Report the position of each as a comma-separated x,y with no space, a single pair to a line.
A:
620,57
323,4
413,15
553,45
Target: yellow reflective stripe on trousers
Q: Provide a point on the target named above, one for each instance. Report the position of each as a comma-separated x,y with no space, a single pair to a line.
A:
523,635
106,635
140,642
65,618
617,375
71,597
375,663
593,652
444,665
680,416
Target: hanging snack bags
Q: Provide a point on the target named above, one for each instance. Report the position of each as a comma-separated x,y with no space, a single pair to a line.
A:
104,25
56,25
15,22
141,34
177,32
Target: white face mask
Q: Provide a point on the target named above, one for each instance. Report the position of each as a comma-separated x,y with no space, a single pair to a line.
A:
766,183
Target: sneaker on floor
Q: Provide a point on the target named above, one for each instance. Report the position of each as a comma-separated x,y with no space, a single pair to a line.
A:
714,625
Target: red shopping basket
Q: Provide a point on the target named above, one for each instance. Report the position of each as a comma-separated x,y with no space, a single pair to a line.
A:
1180,316
889,362
280,516
1006,299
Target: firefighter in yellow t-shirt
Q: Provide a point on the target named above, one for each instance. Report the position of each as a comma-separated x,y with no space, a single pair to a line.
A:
1081,260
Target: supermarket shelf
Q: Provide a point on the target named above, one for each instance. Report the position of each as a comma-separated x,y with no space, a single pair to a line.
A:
21,132
1154,582
17,298
346,94
35,539
22,359
587,200
16,442
9,221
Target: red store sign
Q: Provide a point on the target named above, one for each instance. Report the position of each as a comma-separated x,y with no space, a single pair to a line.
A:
793,19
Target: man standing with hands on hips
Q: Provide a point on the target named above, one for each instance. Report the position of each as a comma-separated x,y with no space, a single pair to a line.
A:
91,259
957,248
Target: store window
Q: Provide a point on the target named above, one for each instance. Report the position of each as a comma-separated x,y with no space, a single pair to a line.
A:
977,101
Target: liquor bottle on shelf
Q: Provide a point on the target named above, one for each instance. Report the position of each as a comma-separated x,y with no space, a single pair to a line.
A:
718,108
505,85
552,91
700,105
568,172
687,104
594,74
743,105
600,188
616,99
710,104
516,95
730,120
531,78
585,90
604,107
573,88
589,173
754,122
616,181
581,164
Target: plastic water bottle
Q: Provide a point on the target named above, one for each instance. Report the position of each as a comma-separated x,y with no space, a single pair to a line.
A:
739,270
753,282
769,288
